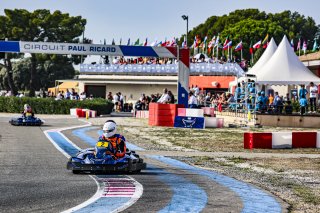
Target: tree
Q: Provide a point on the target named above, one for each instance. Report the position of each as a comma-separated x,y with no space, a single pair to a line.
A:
252,24
39,25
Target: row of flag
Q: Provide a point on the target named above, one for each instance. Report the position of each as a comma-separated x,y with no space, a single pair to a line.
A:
167,43
215,43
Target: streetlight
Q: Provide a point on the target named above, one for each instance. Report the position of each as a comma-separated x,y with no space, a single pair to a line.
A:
184,17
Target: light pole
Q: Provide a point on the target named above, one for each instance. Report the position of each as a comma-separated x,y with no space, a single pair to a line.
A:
184,17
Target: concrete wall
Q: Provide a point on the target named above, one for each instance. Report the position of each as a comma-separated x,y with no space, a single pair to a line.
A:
289,121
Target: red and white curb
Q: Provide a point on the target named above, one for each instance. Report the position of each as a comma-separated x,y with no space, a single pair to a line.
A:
279,140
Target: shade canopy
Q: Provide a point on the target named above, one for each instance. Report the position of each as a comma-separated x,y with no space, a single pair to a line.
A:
285,68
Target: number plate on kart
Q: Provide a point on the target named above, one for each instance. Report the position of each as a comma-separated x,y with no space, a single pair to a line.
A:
102,144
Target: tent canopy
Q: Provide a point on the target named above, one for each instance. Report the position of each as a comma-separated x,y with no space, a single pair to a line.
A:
64,86
285,68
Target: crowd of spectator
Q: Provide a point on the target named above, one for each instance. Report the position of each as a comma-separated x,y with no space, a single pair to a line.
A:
200,58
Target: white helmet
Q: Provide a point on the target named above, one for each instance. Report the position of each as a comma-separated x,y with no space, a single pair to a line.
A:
109,128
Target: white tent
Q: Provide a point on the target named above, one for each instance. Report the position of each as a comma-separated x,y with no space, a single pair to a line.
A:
285,68
268,53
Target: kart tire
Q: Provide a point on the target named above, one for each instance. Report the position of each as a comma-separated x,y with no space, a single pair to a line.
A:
76,171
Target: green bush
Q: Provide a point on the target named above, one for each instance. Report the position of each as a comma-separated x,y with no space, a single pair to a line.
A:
51,106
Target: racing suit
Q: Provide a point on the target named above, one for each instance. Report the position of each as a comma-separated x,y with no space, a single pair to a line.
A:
28,112
118,145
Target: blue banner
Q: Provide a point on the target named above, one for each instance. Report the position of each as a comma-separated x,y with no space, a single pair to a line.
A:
189,122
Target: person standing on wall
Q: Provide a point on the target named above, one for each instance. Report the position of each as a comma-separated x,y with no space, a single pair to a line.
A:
313,97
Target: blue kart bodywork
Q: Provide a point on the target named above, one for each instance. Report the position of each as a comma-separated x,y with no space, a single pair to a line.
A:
96,160
26,121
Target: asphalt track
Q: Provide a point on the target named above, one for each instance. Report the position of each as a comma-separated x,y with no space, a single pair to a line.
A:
34,178
33,175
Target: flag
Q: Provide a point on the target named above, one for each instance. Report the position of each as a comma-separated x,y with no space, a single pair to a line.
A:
265,41
198,41
113,43
128,42
292,44
155,43
299,44
163,44
146,42
171,43
194,42
257,45
228,45
184,43
137,42
217,42
315,45
251,48
304,47
238,47
212,42
226,41
120,41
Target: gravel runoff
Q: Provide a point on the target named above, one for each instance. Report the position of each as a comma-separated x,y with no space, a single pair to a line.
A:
293,177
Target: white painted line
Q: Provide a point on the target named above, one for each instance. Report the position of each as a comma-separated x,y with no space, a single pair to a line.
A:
93,199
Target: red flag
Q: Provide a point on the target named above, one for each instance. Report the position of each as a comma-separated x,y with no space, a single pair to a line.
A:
251,49
257,45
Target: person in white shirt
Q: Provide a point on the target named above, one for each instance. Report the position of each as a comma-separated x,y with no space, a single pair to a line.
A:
196,90
192,102
164,97
115,98
313,97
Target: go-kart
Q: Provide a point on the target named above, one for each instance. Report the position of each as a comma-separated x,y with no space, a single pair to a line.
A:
26,121
100,159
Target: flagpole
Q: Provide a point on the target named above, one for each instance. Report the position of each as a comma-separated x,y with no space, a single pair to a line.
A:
231,55
218,52
241,54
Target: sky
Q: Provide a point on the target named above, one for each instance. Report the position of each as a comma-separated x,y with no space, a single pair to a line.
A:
155,20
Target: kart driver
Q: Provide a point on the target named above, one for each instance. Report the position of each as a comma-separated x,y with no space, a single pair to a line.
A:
27,111
117,141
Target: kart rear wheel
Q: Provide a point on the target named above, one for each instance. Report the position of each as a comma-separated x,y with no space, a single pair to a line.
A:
76,171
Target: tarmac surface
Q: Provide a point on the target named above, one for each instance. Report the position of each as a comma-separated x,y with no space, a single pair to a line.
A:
34,177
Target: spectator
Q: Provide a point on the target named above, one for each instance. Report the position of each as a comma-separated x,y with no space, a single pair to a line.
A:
110,97
83,96
287,98
91,97
277,103
138,105
270,99
154,98
288,108
143,101
68,94
303,104
303,91
313,97
171,98
192,102
164,97
208,99
121,100
196,90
